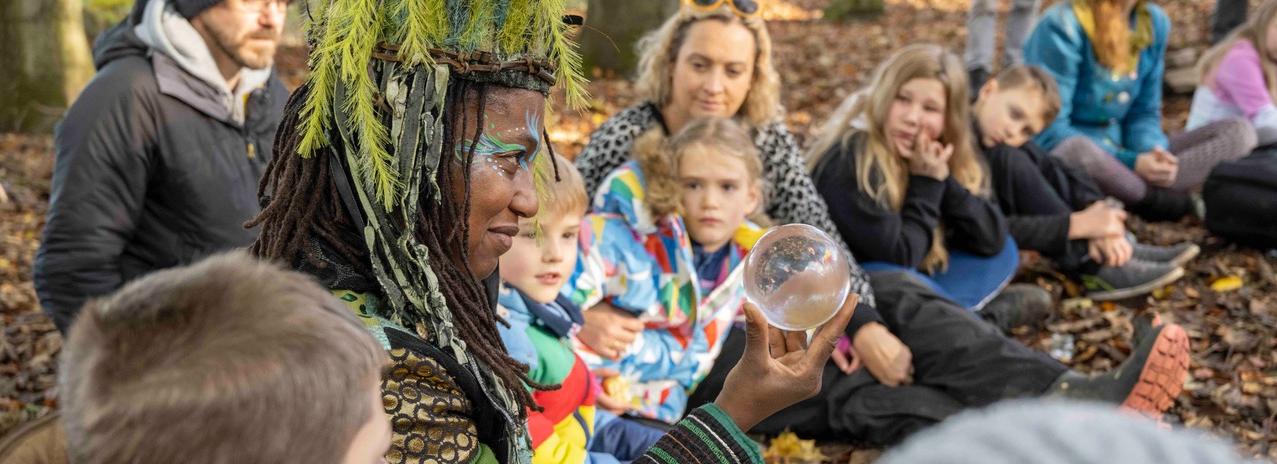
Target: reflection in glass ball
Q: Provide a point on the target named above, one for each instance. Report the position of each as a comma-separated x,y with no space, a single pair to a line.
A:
797,276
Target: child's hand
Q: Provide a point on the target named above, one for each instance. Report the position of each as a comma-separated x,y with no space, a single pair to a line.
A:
929,157
778,369
608,330
1096,221
609,398
1111,251
844,356
886,357
1157,166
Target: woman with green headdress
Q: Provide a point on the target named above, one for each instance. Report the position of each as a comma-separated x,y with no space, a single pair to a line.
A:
405,162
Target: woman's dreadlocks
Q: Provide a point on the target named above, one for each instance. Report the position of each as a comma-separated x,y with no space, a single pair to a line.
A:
301,204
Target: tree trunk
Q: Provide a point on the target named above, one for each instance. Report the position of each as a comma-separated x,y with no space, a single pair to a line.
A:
47,61
612,27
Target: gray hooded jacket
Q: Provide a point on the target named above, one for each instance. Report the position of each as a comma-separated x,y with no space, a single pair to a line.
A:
157,161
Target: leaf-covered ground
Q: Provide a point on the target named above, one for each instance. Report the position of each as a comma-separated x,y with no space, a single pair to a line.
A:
1232,387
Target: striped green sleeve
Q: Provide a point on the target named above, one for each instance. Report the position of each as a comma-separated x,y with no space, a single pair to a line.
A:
705,436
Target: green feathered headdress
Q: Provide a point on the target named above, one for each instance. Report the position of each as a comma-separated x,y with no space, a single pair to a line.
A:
517,43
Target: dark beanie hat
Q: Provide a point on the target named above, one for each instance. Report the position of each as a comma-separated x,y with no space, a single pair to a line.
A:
191,8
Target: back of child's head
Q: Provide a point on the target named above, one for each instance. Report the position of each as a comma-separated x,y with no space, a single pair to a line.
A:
230,360
1036,79
564,190
659,158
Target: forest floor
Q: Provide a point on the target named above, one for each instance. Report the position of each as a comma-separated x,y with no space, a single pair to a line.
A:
1227,300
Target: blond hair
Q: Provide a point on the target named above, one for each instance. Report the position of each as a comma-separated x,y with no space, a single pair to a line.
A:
658,51
227,360
1033,77
1112,41
659,158
565,190
1253,31
881,172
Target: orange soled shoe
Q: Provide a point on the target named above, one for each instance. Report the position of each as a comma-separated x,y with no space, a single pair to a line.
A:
1147,382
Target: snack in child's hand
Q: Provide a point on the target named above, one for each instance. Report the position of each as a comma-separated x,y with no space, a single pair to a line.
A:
618,388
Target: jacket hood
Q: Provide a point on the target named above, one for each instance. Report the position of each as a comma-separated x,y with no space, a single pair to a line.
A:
119,41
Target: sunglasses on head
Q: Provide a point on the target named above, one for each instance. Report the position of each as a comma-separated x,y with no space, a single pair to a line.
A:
741,7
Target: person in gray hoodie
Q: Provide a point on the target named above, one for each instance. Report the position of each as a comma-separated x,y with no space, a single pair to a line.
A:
158,160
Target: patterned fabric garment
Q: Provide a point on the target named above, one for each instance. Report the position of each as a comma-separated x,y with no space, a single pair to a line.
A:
645,265
431,417
792,197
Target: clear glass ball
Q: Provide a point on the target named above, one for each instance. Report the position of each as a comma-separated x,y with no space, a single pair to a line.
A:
797,276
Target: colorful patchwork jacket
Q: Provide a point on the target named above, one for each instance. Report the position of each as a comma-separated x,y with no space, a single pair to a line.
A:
539,336
645,265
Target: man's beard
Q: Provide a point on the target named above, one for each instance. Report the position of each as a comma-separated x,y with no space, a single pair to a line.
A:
242,56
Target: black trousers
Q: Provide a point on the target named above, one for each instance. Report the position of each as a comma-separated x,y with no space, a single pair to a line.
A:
1032,188
1227,16
959,362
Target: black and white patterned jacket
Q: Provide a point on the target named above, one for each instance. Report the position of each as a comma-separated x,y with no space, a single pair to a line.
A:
793,197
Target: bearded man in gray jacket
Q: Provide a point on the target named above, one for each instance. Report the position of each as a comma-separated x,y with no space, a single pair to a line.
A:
159,158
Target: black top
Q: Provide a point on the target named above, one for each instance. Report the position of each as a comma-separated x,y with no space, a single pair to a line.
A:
875,232
1038,193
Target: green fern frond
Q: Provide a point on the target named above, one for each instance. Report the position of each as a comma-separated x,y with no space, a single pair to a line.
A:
478,28
422,28
514,32
315,113
561,51
358,30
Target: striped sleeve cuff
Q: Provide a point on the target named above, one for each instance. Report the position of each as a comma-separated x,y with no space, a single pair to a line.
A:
706,436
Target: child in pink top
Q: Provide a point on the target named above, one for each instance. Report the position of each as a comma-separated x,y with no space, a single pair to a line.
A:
1239,77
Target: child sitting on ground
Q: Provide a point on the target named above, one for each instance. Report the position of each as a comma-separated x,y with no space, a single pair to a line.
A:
227,360
899,171
569,429
1056,209
661,256
1239,77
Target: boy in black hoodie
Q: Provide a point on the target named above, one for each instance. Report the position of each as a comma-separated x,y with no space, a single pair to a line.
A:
1057,209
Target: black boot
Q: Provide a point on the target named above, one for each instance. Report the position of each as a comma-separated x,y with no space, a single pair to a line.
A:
1147,382
1160,204
1017,305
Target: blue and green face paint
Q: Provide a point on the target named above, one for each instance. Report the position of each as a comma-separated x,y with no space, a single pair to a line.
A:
489,148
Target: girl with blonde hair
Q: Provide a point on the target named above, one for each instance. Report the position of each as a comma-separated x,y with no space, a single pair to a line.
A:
1239,77
1108,58
664,245
898,162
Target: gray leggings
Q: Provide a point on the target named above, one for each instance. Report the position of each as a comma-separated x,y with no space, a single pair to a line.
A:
1198,151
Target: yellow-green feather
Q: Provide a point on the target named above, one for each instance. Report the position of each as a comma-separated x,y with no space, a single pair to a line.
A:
513,37
561,51
314,115
478,28
358,30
